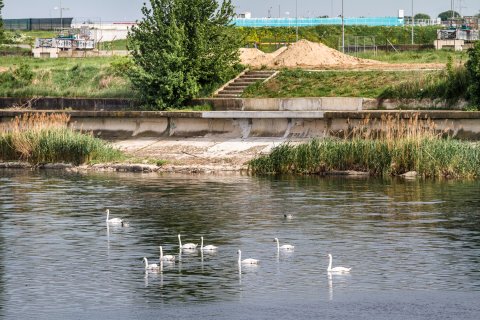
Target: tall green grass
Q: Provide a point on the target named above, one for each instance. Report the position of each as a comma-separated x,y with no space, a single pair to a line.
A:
367,84
393,151
65,77
40,138
424,56
450,85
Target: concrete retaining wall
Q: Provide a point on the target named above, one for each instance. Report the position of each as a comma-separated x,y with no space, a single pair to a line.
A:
284,104
123,125
94,104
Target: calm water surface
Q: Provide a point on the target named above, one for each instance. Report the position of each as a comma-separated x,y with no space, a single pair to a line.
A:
414,247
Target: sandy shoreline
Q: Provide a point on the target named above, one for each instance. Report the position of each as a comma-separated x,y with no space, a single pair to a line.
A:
185,156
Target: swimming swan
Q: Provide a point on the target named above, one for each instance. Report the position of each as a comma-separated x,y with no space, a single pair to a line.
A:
113,220
207,248
167,257
186,246
285,247
246,261
288,216
150,267
336,269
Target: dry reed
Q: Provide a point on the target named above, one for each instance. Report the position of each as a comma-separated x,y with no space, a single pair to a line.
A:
41,138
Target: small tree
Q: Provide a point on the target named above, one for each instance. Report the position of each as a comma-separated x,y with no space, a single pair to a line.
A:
445,16
473,69
422,16
182,47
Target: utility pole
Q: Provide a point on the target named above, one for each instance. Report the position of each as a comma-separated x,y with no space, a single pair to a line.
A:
343,30
296,17
61,12
413,24
453,10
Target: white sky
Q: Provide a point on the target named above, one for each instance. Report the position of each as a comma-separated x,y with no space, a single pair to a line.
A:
129,10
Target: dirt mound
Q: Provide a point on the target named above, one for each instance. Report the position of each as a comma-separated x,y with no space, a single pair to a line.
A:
302,54
258,58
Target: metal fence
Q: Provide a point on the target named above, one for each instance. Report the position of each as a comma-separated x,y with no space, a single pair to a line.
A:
37,24
305,22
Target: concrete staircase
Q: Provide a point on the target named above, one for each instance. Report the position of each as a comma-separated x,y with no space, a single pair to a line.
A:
235,87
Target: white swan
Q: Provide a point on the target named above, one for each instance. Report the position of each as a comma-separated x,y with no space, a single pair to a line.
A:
246,261
113,220
336,269
288,216
186,246
207,248
151,266
167,257
286,247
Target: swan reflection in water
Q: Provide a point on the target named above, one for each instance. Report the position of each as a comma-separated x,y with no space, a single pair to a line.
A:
157,272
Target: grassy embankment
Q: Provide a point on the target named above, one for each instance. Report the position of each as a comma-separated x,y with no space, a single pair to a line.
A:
44,138
404,145
105,77
449,84
64,77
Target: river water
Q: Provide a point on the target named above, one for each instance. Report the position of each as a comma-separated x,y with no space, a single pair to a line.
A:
414,247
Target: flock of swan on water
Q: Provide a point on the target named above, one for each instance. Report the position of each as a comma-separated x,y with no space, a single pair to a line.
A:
153,267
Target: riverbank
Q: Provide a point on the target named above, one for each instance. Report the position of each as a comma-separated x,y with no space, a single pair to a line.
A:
204,142
189,155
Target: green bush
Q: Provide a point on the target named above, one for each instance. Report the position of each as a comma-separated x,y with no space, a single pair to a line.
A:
473,69
18,77
449,85
121,66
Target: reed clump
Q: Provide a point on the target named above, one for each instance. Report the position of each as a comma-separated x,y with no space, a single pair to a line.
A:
389,146
47,138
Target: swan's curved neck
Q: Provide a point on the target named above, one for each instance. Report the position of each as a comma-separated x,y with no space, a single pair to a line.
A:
146,262
179,241
201,243
108,214
161,253
278,244
329,263
239,256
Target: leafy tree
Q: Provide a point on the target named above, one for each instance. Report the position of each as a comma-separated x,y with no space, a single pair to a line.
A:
181,48
444,16
422,16
473,69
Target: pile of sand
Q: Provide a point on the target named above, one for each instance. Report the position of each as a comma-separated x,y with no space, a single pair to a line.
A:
257,58
301,54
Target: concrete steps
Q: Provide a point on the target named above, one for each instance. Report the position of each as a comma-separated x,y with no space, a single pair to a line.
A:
236,87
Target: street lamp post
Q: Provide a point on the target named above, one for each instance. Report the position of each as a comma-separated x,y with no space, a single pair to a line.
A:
413,24
61,13
343,30
296,17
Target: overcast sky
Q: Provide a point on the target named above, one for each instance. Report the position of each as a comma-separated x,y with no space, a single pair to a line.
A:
129,10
